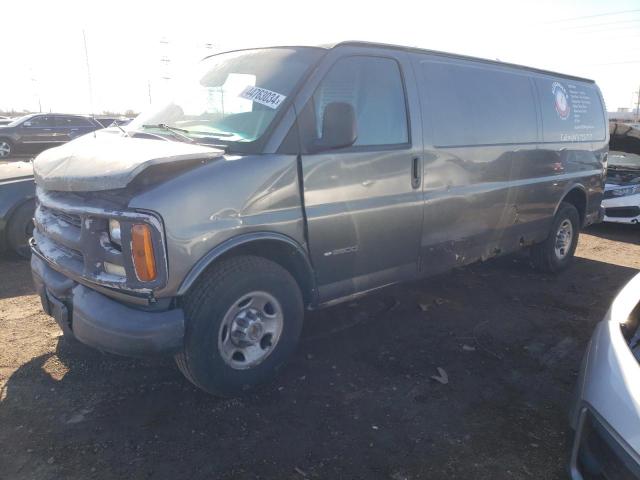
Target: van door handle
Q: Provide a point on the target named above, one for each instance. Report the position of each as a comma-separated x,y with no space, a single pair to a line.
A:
415,172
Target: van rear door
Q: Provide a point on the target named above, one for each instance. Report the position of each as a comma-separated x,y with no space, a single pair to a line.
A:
364,202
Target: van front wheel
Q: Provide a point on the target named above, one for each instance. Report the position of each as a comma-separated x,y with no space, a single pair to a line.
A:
244,319
556,252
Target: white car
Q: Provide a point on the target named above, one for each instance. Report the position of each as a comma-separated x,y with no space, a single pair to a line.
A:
622,190
605,415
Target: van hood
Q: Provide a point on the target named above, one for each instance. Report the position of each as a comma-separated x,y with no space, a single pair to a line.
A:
107,161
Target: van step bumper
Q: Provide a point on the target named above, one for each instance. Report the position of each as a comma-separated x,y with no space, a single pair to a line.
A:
103,323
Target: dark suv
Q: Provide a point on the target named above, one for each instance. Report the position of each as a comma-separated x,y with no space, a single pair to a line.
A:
37,132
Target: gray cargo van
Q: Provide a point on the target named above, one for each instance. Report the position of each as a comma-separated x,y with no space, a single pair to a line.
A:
292,178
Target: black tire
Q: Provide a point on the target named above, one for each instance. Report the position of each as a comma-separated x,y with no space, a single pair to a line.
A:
4,145
20,229
544,256
206,305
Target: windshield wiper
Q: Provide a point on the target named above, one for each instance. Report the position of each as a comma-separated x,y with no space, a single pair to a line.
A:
118,126
175,130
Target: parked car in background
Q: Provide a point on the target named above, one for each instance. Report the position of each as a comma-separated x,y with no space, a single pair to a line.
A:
37,132
7,121
298,177
17,204
605,414
624,137
622,190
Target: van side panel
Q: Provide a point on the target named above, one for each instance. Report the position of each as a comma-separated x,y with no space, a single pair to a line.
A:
569,155
476,117
502,148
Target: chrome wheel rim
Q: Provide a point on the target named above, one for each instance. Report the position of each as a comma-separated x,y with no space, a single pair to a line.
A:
250,330
564,237
5,149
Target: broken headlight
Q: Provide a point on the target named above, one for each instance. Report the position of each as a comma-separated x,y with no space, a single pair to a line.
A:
114,232
624,191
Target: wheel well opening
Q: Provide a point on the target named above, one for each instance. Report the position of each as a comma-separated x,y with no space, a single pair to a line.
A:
284,255
578,199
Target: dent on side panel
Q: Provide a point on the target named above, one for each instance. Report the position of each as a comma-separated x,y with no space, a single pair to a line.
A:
208,205
467,208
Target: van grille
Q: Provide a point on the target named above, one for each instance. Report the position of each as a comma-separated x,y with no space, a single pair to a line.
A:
71,240
69,218
71,234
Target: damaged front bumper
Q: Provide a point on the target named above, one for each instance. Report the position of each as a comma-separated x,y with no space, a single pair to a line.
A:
102,322
622,209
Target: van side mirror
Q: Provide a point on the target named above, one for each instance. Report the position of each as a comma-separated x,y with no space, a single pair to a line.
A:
339,127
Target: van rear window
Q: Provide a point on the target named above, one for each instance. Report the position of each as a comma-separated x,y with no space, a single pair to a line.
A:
571,111
478,105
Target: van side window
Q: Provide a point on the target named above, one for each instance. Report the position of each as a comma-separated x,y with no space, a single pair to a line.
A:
478,105
373,86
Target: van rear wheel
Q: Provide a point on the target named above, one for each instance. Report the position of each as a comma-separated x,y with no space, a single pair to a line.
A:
244,319
556,252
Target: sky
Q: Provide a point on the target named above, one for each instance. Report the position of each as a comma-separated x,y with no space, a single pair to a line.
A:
44,63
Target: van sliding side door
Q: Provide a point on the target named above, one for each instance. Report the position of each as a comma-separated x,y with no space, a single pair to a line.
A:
478,117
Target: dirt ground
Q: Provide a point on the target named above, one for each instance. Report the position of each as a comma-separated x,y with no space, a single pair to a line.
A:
357,401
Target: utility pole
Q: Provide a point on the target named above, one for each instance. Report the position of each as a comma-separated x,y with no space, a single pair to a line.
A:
165,61
86,58
638,105
37,90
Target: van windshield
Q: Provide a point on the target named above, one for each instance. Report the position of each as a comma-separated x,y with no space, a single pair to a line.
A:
232,98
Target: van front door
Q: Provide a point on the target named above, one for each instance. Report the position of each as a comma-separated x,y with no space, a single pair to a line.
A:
364,202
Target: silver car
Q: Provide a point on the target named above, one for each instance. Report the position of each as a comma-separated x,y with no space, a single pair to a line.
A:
622,190
606,413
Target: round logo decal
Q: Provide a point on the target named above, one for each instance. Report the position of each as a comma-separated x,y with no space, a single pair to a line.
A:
561,99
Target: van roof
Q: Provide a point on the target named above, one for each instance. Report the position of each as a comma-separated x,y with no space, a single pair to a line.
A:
359,43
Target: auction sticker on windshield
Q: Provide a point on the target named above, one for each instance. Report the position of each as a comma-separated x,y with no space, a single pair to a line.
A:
263,96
